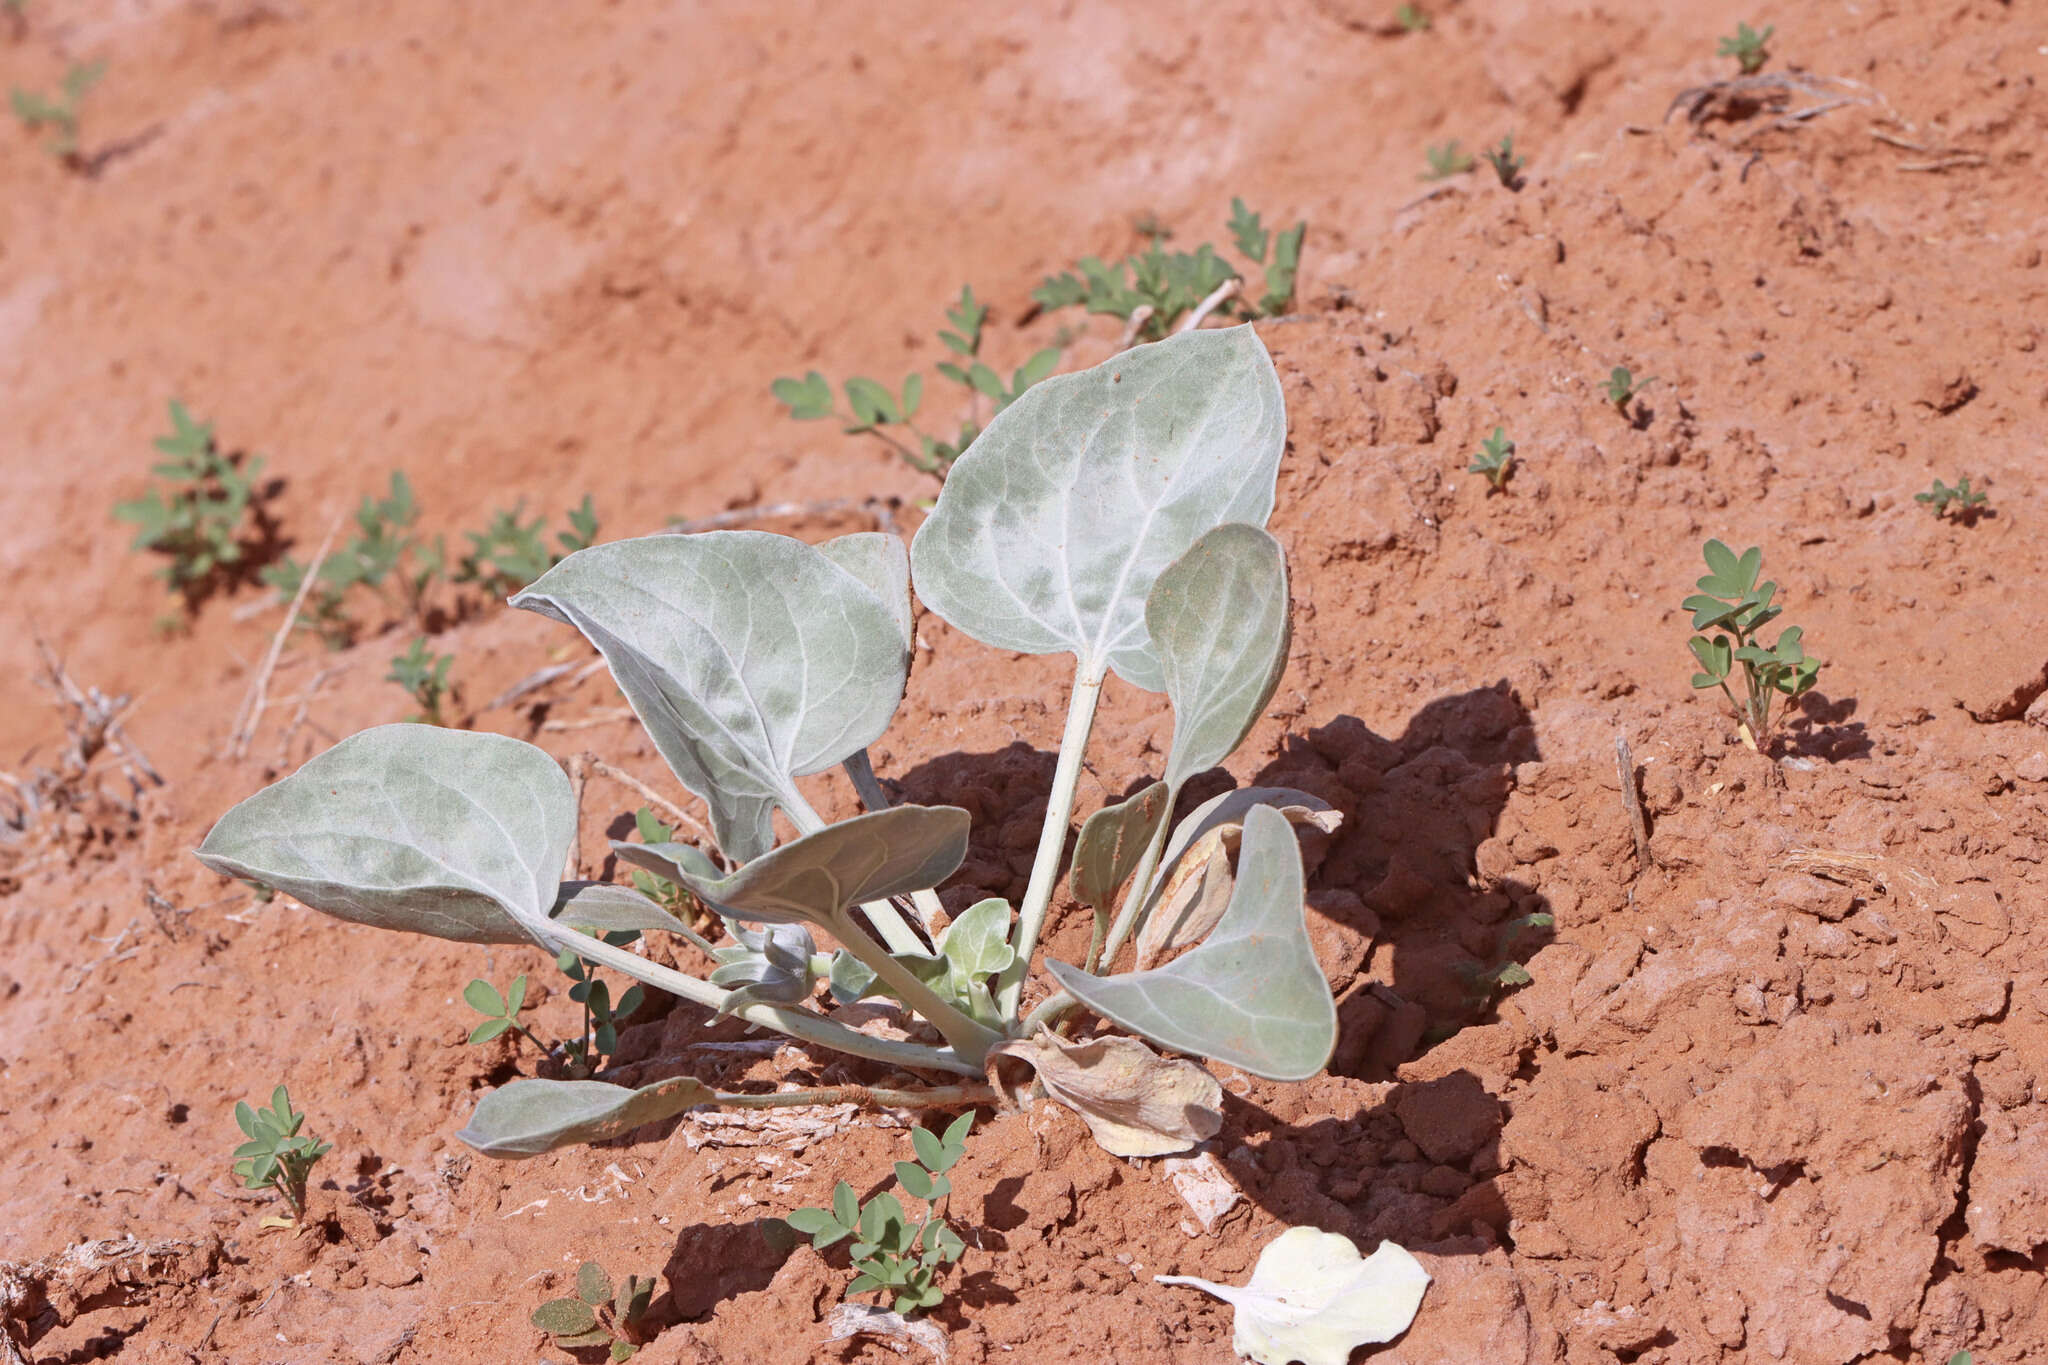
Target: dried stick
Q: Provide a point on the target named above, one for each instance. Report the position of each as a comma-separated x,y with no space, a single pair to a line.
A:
881,509
1140,315
1209,305
579,776
1625,766
257,697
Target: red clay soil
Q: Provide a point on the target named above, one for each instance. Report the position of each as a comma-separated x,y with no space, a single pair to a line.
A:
1770,1091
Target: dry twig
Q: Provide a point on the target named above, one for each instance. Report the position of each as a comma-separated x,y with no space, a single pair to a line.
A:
883,510
256,698
656,800
1625,768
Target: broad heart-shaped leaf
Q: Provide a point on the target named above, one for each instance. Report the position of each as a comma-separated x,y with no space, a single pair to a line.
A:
528,1117
751,658
1218,617
606,908
444,832
1314,1299
881,561
1112,842
813,879
1053,527
1252,995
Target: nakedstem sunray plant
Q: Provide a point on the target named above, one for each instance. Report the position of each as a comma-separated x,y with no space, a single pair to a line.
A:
1116,515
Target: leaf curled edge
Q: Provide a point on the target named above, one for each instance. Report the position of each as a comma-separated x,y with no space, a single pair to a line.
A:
1135,1102
528,1117
1312,1298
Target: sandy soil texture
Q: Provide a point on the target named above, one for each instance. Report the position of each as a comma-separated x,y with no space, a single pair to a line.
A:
1770,1090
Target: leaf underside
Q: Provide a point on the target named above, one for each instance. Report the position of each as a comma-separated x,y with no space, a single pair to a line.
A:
527,1117
1219,624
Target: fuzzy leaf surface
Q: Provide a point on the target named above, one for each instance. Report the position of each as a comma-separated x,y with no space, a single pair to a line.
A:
752,659
813,879
1218,619
606,907
1252,994
450,833
527,1117
1053,527
1112,842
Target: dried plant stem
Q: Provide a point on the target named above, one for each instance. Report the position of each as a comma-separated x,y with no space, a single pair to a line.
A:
257,697
654,799
1625,768
1140,315
1227,289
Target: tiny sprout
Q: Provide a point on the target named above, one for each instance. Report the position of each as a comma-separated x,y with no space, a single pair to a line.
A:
596,1314
1496,459
1735,606
1747,47
424,675
1412,19
277,1156
1623,387
891,1255
1445,160
501,1012
59,114
1505,163
1961,496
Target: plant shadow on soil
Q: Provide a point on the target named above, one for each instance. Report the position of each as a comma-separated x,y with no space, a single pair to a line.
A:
1415,941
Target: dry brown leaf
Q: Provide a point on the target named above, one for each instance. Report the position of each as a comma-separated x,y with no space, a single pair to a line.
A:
1134,1101
1195,896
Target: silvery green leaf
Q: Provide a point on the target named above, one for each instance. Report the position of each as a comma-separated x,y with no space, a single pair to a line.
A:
528,1117
1218,618
606,907
1230,808
976,943
851,979
772,963
1111,844
451,833
675,862
1052,528
1252,994
881,561
813,879
752,659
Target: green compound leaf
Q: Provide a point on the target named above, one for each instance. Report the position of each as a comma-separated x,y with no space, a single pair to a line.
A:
1252,994
528,1117
1218,618
813,879
442,832
752,659
1053,527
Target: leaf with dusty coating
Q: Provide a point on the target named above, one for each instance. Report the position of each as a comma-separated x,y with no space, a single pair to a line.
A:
1134,1101
1313,1298
882,561
752,659
449,833
1112,841
1252,994
528,1117
1219,623
1053,527
608,908
814,879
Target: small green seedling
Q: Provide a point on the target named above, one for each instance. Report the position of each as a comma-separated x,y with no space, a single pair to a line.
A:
670,896
1171,285
1505,163
509,553
500,1012
1733,605
1623,388
598,1315
1412,19
1496,459
600,1036
424,675
1446,160
196,517
1940,498
384,555
874,410
1961,1358
59,115
1747,47
892,1256
277,1155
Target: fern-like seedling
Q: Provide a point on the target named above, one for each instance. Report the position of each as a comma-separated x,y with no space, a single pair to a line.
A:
424,676
1446,160
277,1155
894,1257
59,113
1959,496
1729,609
1747,47
1505,163
195,516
